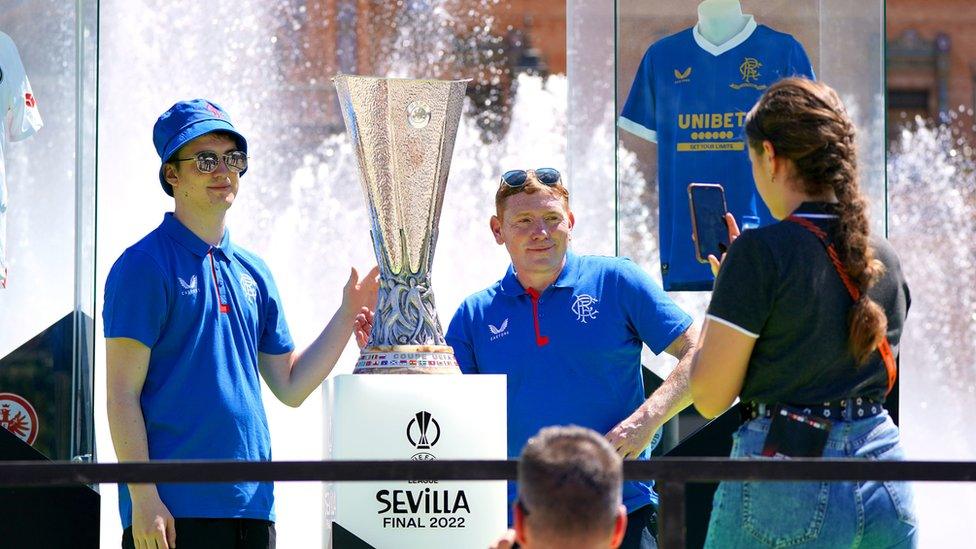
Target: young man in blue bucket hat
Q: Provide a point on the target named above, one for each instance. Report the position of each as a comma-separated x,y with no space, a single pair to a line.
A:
191,322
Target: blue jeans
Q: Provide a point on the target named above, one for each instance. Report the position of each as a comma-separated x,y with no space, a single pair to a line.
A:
865,514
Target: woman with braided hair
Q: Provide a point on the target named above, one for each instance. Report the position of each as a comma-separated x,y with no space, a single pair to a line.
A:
803,327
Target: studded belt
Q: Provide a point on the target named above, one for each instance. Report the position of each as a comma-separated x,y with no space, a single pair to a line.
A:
846,409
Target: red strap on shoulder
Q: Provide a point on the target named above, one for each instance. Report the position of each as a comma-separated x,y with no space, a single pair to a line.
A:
884,348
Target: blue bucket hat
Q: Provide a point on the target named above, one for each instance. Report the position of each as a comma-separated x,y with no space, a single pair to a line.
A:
186,121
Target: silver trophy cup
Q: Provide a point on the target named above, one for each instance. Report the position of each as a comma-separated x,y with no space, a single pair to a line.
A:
403,131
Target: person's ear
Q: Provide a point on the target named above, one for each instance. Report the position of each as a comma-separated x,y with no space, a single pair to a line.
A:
769,157
619,527
170,175
496,229
572,219
519,524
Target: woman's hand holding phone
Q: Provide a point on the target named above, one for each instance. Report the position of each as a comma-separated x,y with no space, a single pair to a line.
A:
733,234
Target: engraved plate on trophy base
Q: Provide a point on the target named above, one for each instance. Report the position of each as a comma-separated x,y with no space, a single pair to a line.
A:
407,359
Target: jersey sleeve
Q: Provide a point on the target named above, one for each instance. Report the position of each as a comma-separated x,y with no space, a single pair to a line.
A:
657,319
637,116
19,102
137,299
275,336
459,338
744,288
799,62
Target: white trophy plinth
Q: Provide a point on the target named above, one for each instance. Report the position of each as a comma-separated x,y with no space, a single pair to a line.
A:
421,417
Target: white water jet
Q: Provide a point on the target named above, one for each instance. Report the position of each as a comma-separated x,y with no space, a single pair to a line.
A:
932,205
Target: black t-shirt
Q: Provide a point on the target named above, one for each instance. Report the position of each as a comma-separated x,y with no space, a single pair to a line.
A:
777,284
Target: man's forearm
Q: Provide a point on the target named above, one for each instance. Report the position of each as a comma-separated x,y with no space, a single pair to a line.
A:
674,394
316,362
128,428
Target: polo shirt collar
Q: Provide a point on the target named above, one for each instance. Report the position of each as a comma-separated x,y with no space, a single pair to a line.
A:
185,237
567,278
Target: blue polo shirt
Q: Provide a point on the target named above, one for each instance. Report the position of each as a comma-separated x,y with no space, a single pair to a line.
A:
583,367
205,312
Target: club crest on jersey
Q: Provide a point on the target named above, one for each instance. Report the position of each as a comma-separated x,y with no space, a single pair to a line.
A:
29,100
583,308
499,331
250,287
189,288
749,69
681,77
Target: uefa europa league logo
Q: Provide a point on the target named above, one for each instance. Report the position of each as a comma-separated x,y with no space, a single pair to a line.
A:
423,431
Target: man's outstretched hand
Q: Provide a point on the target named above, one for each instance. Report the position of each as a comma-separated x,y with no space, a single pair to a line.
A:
363,326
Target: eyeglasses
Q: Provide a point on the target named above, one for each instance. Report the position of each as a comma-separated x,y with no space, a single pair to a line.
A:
207,161
517,178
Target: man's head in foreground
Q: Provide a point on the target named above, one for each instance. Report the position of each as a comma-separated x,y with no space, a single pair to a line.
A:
570,482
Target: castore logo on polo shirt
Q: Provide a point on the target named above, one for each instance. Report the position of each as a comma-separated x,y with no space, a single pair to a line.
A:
583,308
498,332
189,288
250,287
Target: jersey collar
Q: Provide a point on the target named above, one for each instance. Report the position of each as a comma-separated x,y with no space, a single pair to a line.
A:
816,210
567,278
729,44
185,237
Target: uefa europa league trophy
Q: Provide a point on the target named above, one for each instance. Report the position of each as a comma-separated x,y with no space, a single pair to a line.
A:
403,131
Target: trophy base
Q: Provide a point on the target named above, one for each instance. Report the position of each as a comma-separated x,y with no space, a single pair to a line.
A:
407,359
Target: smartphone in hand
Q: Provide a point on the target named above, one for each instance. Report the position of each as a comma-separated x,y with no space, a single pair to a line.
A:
711,234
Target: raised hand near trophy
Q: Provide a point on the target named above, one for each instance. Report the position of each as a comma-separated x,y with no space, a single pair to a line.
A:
361,294
363,326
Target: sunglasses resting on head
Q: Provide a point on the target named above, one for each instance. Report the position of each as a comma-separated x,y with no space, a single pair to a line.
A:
517,178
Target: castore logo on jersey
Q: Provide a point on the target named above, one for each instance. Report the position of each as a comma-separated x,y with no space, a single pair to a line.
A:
189,288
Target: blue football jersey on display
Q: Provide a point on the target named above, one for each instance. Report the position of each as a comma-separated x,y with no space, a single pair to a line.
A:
691,98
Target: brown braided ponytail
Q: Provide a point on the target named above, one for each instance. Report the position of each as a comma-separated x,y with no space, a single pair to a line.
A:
806,122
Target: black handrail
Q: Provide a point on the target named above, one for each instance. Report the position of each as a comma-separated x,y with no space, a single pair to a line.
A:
671,474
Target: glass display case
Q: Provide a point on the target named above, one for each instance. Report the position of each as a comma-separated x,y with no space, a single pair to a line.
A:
685,75
701,88
271,67
47,217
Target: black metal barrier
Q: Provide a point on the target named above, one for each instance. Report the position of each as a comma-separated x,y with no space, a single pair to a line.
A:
671,474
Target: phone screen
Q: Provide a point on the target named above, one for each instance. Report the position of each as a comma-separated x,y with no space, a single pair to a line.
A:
708,220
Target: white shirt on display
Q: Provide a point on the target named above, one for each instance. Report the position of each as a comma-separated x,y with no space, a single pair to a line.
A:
19,120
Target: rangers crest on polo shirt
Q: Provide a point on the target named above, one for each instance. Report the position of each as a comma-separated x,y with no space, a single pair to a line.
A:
18,105
584,307
250,287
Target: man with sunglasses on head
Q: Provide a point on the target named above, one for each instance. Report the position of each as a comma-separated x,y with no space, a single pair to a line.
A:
191,322
568,331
